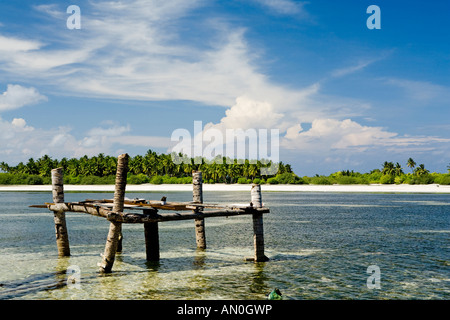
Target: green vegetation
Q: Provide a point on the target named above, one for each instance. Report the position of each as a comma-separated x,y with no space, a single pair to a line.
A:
151,168
160,169
390,173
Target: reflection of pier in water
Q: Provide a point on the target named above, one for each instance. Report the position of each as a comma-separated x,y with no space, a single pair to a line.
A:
149,215
32,284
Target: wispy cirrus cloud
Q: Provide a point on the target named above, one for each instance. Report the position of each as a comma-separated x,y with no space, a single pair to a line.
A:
420,91
286,7
10,44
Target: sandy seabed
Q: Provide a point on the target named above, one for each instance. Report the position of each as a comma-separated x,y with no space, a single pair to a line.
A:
378,188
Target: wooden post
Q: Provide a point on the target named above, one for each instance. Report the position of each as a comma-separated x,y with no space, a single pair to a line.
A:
258,229
62,237
151,241
115,228
197,185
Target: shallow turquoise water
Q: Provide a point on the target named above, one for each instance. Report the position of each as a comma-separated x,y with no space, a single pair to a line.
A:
319,244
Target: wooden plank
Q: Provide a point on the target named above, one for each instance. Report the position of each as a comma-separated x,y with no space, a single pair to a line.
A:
149,204
153,217
140,218
156,204
168,206
126,201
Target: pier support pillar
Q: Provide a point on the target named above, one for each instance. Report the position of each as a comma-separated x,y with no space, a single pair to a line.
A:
151,239
115,228
197,184
258,229
62,237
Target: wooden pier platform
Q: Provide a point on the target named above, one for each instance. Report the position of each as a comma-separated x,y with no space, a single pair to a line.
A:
149,212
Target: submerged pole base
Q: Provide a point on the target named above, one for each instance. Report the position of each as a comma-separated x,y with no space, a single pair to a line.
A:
260,259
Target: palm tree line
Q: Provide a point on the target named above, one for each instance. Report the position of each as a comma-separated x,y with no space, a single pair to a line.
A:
151,164
396,170
160,168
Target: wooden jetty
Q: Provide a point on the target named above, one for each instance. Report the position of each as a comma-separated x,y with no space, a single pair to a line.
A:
118,211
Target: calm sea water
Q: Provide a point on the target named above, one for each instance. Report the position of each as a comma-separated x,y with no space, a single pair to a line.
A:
320,246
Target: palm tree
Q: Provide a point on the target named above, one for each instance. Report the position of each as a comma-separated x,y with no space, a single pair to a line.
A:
410,163
388,168
31,167
289,168
245,168
234,171
398,169
45,165
111,166
135,164
5,167
222,171
281,167
420,170
253,171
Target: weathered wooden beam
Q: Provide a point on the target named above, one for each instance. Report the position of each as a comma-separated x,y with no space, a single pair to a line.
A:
107,213
84,208
140,218
115,228
152,204
62,236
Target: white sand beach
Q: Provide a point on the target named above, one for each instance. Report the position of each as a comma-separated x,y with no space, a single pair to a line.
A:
375,188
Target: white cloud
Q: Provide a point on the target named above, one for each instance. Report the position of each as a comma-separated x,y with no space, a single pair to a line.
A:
348,135
283,6
17,96
143,141
14,45
137,52
247,113
52,10
421,91
113,131
352,69
20,123
18,141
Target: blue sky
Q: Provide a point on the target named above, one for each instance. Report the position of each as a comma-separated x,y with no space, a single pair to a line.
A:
342,96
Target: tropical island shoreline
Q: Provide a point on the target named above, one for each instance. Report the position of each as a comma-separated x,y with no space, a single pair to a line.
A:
366,188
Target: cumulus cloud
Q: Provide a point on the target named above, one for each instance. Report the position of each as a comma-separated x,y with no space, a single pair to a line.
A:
332,134
18,140
17,96
247,113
